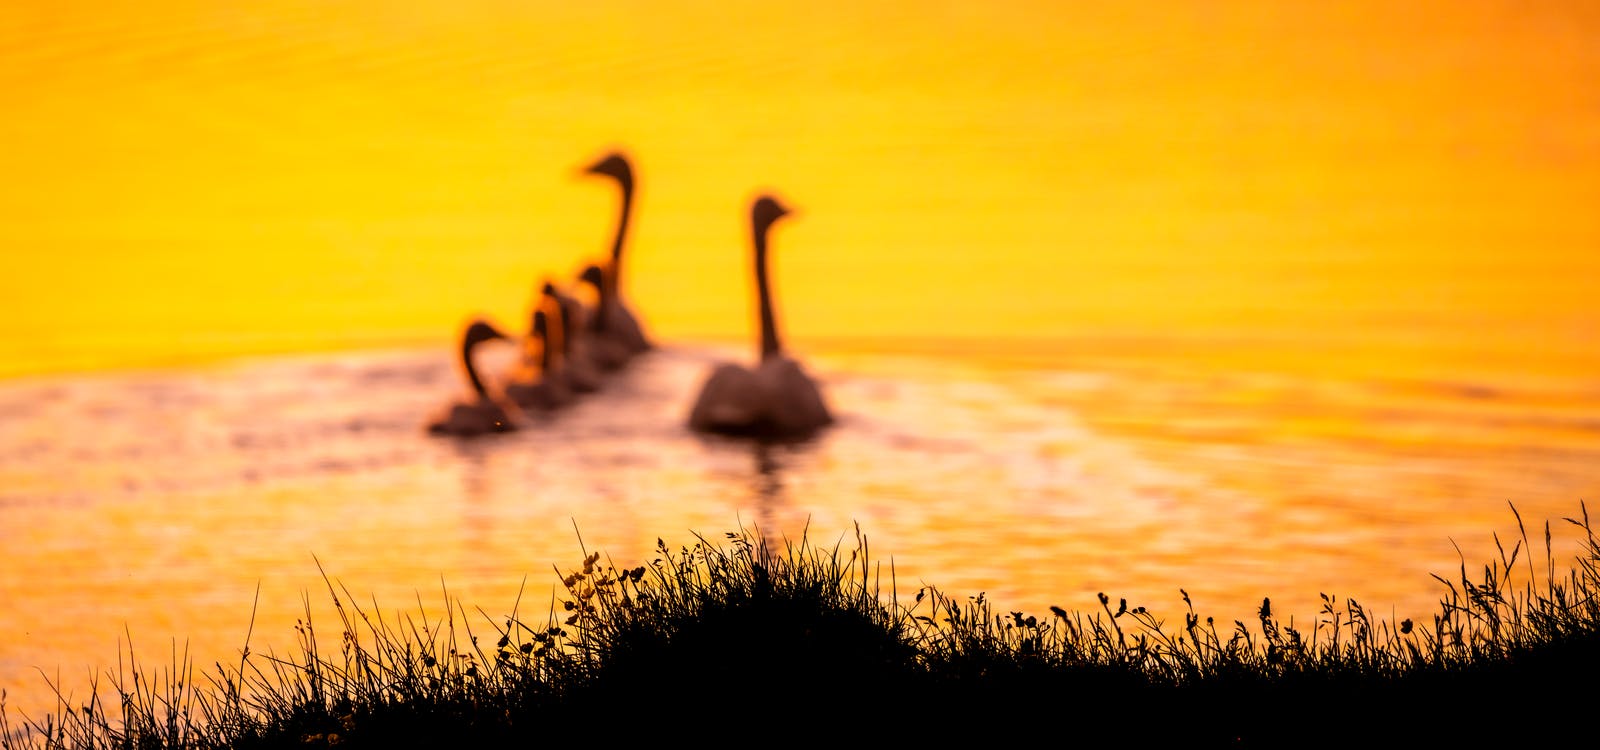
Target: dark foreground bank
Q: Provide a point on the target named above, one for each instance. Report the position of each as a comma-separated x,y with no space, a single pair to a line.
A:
744,641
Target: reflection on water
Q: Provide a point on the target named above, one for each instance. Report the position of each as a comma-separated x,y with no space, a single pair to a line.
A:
150,505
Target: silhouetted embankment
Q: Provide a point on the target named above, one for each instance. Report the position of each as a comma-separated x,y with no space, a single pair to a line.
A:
741,641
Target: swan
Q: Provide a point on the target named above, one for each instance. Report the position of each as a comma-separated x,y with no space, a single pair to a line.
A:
481,415
547,391
614,318
777,399
577,367
608,352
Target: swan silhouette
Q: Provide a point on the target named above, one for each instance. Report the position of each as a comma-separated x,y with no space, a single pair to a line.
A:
608,352
577,367
614,319
482,415
777,399
548,390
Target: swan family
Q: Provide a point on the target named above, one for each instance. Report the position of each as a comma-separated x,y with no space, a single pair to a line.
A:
571,347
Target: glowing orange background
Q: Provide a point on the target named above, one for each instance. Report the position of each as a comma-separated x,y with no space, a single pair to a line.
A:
182,180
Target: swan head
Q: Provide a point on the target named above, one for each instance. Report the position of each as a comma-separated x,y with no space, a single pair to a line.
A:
767,210
592,275
548,290
615,166
480,331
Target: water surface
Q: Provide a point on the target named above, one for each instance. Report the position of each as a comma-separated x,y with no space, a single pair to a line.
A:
151,505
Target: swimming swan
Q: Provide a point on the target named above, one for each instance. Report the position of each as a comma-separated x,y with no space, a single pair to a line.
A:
577,366
548,390
482,415
607,351
777,399
614,319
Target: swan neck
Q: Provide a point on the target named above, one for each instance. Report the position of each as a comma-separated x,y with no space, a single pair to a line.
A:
610,280
555,340
597,322
770,346
567,324
546,351
472,371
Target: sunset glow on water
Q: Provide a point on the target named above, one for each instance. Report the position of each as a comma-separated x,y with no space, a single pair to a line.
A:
1252,300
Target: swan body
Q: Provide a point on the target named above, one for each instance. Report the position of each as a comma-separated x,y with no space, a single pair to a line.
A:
613,318
481,415
776,399
469,419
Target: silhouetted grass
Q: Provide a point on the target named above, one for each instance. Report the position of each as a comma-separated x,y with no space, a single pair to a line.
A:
740,640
